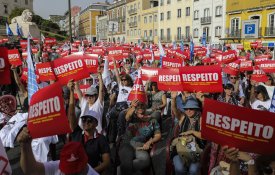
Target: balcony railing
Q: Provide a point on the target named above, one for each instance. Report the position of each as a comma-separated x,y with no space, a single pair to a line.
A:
132,11
166,38
182,38
234,33
147,38
121,19
133,24
206,20
208,39
269,31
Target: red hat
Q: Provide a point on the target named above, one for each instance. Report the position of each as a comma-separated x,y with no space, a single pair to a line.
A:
138,92
73,158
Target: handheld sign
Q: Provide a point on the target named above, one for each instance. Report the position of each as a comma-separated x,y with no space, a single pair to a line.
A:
47,115
169,80
4,67
246,129
14,57
45,71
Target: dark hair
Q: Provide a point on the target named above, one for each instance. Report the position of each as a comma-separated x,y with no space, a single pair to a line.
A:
229,86
129,78
263,161
271,79
261,89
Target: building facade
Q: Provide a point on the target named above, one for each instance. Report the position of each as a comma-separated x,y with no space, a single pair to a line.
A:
116,21
238,11
6,6
175,20
102,28
87,21
209,21
74,12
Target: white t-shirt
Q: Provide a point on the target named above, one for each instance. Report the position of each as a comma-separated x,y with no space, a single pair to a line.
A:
123,93
97,107
52,168
259,105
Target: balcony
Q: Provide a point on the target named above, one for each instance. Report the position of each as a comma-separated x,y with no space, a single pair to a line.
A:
234,33
147,38
166,39
132,11
206,20
182,38
208,39
121,19
133,24
270,31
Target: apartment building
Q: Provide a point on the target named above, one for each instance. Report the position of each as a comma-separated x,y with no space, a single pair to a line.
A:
237,11
102,28
75,10
209,21
175,20
116,21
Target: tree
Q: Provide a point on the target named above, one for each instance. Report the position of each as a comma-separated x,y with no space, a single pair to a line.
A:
16,12
37,19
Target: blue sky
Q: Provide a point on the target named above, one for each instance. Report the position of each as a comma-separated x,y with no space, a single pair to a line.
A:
44,8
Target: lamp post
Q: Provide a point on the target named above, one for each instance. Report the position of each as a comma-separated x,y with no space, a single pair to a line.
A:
70,21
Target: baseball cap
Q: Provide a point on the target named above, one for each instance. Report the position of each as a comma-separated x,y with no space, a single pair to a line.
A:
91,114
73,158
91,91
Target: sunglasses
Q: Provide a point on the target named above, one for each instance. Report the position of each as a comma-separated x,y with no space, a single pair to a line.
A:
87,120
89,80
90,96
268,170
123,79
233,77
190,109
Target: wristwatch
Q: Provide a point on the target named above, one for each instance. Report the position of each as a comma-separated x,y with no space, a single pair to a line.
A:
250,162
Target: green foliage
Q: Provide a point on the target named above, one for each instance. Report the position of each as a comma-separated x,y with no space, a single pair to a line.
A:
16,12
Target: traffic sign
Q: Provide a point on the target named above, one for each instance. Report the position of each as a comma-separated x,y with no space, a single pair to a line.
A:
250,28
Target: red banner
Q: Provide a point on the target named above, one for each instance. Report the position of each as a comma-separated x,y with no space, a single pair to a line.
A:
246,66
253,45
24,55
240,47
232,68
4,67
227,57
24,75
169,80
115,51
50,41
147,55
91,62
47,115
45,71
14,57
205,79
83,88
259,75
68,68
149,73
171,62
268,66
238,127
23,44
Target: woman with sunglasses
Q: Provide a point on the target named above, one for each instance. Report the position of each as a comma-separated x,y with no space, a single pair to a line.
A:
95,144
238,88
188,125
259,97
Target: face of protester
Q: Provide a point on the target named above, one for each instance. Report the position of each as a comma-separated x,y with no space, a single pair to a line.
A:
270,169
228,92
91,98
125,81
233,79
89,81
190,112
89,124
140,111
268,82
259,96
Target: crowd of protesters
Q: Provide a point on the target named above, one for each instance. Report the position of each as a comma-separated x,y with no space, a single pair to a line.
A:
103,118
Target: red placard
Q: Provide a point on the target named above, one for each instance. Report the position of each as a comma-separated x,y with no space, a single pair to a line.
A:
50,41
253,45
14,57
238,127
182,54
4,67
91,62
47,115
23,44
232,68
35,40
68,68
259,75
169,80
171,62
156,55
115,51
259,59
268,66
227,57
246,66
83,88
45,71
147,55
24,54
24,75
205,79
149,73
240,47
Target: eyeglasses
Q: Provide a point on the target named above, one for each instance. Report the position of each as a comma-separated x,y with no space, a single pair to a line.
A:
233,77
89,80
88,120
268,170
90,96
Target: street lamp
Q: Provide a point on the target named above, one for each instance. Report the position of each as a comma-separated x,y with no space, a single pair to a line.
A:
70,21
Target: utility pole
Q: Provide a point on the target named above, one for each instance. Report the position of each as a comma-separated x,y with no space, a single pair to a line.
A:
70,21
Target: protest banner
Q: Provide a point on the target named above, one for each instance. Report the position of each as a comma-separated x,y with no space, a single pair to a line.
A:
47,114
23,44
156,55
68,68
45,71
147,55
24,54
227,57
206,79
97,50
253,45
232,68
268,66
4,67
50,41
240,47
243,58
138,92
91,61
149,73
171,62
258,75
169,80
246,66
24,75
246,129
14,57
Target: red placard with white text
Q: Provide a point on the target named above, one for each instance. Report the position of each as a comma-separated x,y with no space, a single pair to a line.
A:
149,73
232,68
45,71
68,68
198,78
246,65
227,57
268,66
83,88
238,127
169,80
91,62
23,44
14,57
24,75
4,67
47,114
171,62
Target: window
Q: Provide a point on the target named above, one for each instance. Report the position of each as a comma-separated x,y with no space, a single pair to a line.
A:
156,32
235,22
271,21
6,9
135,19
161,34
139,5
196,15
168,34
145,33
168,1
161,2
187,11
218,31
218,11
151,33
187,31
138,18
179,13
131,33
145,20
168,15
135,33
206,12
123,28
139,32
26,2
156,18
127,32
150,19
162,16
196,33
206,31
179,33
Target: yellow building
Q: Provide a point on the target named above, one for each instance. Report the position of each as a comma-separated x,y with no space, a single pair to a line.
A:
240,10
87,21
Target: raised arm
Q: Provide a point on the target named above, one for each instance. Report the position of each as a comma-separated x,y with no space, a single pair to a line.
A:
71,110
18,82
116,72
78,92
100,93
174,105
